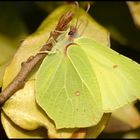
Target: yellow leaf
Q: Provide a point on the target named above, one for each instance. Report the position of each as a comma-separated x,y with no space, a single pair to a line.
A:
21,108
135,11
124,119
6,52
14,131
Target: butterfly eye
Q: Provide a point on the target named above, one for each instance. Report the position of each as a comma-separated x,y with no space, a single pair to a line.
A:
71,33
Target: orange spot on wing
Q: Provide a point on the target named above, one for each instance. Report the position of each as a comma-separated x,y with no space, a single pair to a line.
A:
115,66
77,93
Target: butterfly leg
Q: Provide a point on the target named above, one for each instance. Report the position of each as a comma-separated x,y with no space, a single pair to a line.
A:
47,52
59,31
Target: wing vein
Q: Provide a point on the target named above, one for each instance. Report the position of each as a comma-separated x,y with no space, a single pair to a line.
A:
82,78
54,75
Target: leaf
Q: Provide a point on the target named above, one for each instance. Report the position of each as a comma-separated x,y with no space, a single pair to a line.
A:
115,125
132,135
135,11
6,49
13,131
6,53
110,66
28,48
99,127
49,6
133,118
9,35
25,113
119,122
2,69
25,121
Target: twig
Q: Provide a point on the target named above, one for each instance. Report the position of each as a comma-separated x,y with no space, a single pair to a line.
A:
32,61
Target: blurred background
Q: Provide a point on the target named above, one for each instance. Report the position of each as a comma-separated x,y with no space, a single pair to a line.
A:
121,19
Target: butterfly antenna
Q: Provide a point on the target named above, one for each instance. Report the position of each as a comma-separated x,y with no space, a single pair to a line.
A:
86,24
77,4
77,26
88,7
77,7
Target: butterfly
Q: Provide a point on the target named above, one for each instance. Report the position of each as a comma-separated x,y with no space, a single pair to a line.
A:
84,79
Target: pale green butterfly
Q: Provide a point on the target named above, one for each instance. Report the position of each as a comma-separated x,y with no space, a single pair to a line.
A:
82,80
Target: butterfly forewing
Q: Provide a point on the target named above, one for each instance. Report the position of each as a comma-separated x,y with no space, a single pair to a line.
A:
67,89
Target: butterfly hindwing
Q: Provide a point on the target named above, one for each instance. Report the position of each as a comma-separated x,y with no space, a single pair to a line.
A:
118,76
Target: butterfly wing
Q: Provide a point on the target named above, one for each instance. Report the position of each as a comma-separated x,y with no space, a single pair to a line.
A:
67,89
118,76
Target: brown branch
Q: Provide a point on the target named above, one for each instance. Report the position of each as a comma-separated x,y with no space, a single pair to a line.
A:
27,67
